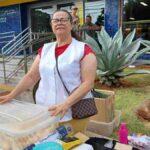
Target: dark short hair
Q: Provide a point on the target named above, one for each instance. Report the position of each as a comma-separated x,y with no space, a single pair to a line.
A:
74,7
63,10
89,16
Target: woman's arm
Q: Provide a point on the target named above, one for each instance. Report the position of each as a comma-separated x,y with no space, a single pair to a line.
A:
29,80
88,73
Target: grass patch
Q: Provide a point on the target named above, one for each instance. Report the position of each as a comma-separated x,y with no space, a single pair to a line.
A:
128,98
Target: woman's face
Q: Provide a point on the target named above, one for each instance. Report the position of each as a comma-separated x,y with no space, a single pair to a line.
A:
61,24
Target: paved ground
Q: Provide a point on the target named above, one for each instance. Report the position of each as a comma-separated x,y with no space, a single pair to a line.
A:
26,96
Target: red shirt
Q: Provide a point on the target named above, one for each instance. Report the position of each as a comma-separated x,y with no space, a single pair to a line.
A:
59,50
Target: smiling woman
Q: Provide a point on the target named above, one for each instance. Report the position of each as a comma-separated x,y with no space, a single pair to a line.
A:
66,70
61,23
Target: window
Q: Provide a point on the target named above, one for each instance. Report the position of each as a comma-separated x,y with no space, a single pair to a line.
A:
96,10
136,14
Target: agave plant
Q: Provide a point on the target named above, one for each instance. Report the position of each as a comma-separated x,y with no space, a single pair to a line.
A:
116,54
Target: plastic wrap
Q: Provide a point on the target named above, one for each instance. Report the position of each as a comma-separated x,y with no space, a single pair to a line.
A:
22,124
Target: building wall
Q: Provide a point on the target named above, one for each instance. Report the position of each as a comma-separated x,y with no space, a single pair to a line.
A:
17,17
10,19
24,16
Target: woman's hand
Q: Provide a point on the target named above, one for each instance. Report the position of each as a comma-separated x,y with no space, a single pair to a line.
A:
59,109
5,98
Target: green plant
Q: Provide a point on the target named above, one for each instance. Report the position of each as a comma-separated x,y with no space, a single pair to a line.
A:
116,54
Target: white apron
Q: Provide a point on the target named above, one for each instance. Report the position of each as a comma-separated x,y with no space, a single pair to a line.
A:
51,90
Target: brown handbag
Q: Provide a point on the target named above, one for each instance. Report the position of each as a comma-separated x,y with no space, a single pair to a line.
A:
83,108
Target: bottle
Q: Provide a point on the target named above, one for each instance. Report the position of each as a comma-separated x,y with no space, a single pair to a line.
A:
123,133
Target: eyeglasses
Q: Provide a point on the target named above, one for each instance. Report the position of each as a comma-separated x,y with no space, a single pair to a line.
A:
61,20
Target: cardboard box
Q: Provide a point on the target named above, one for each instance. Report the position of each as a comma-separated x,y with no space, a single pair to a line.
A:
103,128
105,107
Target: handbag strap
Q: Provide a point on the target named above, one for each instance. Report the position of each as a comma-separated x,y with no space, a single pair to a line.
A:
68,92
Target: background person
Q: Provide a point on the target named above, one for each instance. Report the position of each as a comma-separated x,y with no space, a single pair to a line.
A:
100,18
77,65
90,28
75,19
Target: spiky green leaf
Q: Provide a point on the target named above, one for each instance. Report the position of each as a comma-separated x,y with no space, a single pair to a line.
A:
89,40
113,54
132,49
139,72
120,74
101,64
101,73
133,46
118,38
146,43
142,51
118,64
128,39
104,39
106,36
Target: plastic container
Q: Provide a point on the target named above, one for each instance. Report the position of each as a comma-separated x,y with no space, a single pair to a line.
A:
123,133
48,146
22,124
103,128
